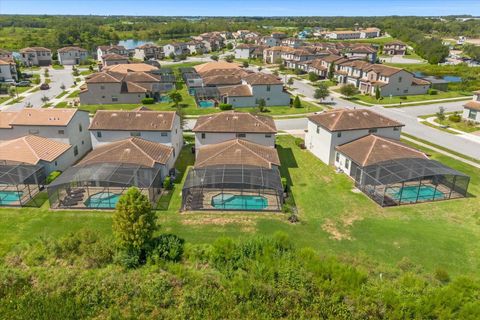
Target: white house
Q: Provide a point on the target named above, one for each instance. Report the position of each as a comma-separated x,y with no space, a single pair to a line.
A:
327,130
36,56
177,48
72,55
230,125
103,50
471,110
155,126
8,70
67,126
148,51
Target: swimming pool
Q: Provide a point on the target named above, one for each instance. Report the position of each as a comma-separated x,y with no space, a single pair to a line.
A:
206,103
239,202
411,194
102,200
165,99
9,197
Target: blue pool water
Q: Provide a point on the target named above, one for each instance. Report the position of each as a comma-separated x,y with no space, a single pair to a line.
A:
9,197
102,200
165,99
239,202
206,103
191,91
409,194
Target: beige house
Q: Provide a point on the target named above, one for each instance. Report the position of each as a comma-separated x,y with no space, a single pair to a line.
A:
104,50
72,55
471,110
148,51
8,70
36,56
395,48
111,59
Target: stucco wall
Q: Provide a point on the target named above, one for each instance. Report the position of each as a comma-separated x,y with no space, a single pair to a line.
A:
211,138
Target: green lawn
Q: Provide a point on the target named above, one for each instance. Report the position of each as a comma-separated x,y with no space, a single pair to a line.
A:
61,94
466,126
431,235
4,98
414,98
58,67
74,94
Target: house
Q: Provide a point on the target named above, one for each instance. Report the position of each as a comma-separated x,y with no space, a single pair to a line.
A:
155,126
471,110
8,70
244,51
369,33
395,48
104,50
111,59
148,51
109,87
36,56
6,55
176,48
327,130
196,47
66,126
292,42
244,34
130,67
352,34
224,126
72,55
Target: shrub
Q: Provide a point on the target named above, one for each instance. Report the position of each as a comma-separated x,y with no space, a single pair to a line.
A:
297,103
225,106
284,183
432,92
442,275
245,64
168,247
52,176
348,90
128,258
300,143
403,98
312,76
455,117
441,114
148,101
167,183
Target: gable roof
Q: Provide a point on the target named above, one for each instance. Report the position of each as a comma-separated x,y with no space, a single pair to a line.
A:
216,65
6,119
473,105
34,49
232,121
32,149
129,151
130,67
230,79
67,49
44,117
236,91
356,119
373,149
136,120
113,56
237,152
260,78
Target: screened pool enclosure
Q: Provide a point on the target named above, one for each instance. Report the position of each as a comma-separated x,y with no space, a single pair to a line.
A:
99,186
20,183
233,187
411,180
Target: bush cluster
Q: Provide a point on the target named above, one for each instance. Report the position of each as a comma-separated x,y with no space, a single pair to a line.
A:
148,101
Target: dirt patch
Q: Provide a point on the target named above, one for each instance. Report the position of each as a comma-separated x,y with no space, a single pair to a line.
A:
340,230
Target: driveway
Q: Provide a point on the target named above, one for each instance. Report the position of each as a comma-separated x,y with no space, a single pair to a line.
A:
58,77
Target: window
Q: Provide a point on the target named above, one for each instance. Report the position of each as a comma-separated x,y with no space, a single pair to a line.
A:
33,131
268,136
472,114
135,134
339,134
399,79
174,153
164,134
318,129
347,163
114,98
102,87
80,128
99,134
56,163
203,135
405,91
396,128
241,135
75,151
268,88
83,142
61,131
372,130
337,157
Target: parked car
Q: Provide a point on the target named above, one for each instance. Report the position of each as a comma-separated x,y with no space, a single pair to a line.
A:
27,75
9,81
44,86
24,83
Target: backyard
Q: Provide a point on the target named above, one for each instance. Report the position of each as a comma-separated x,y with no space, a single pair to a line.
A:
334,220
398,100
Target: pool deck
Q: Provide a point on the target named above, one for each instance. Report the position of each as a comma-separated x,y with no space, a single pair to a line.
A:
272,204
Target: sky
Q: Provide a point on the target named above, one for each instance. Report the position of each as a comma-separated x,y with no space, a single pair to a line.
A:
243,7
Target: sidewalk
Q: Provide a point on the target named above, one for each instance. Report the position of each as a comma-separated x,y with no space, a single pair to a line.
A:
461,133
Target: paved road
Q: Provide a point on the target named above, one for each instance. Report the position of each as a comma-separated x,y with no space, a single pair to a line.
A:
58,77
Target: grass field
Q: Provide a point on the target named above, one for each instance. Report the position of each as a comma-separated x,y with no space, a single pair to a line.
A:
397,100
333,220
462,125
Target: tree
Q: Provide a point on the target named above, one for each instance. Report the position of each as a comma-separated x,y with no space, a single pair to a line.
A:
12,91
321,92
377,93
45,99
229,46
348,90
261,105
214,57
441,113
290,81
133,221
331,71
245,64
176,97
229,58
313,77
171,55
296,102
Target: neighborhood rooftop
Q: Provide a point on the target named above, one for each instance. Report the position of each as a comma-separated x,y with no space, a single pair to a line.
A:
139,120
348,119
39,117
232,121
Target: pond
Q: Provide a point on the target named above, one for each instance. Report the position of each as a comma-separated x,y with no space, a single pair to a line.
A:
133,43
447,78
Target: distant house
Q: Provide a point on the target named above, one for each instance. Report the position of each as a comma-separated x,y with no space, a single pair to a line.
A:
148,51
395,48
177,48
196,47
72,55
471,110
292,42
224,126
36,56
104,50
8,70
249,51
327,130
111,59
156,126
352,34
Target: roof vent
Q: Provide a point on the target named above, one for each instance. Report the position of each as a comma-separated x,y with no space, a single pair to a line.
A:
138,115
114,114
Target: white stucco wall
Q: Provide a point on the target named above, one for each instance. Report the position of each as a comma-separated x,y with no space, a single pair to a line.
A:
103,93
467,114
242,53
72,57
273,97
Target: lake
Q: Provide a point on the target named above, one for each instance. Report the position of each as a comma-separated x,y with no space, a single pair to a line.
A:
448,78
133,43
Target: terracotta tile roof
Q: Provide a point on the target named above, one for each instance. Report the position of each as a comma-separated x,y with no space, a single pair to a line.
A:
130,67
393,43
67,49
218,72
105,77
232,121
108,48
129,151
260,78
383,69
5,62
356,119
44,117
132,87
373,149
141,77
147,46
222,80
420,82
237,152
5,52
216,65
34,49
6,119
32,149
236,91
113,56
138,120
474,105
